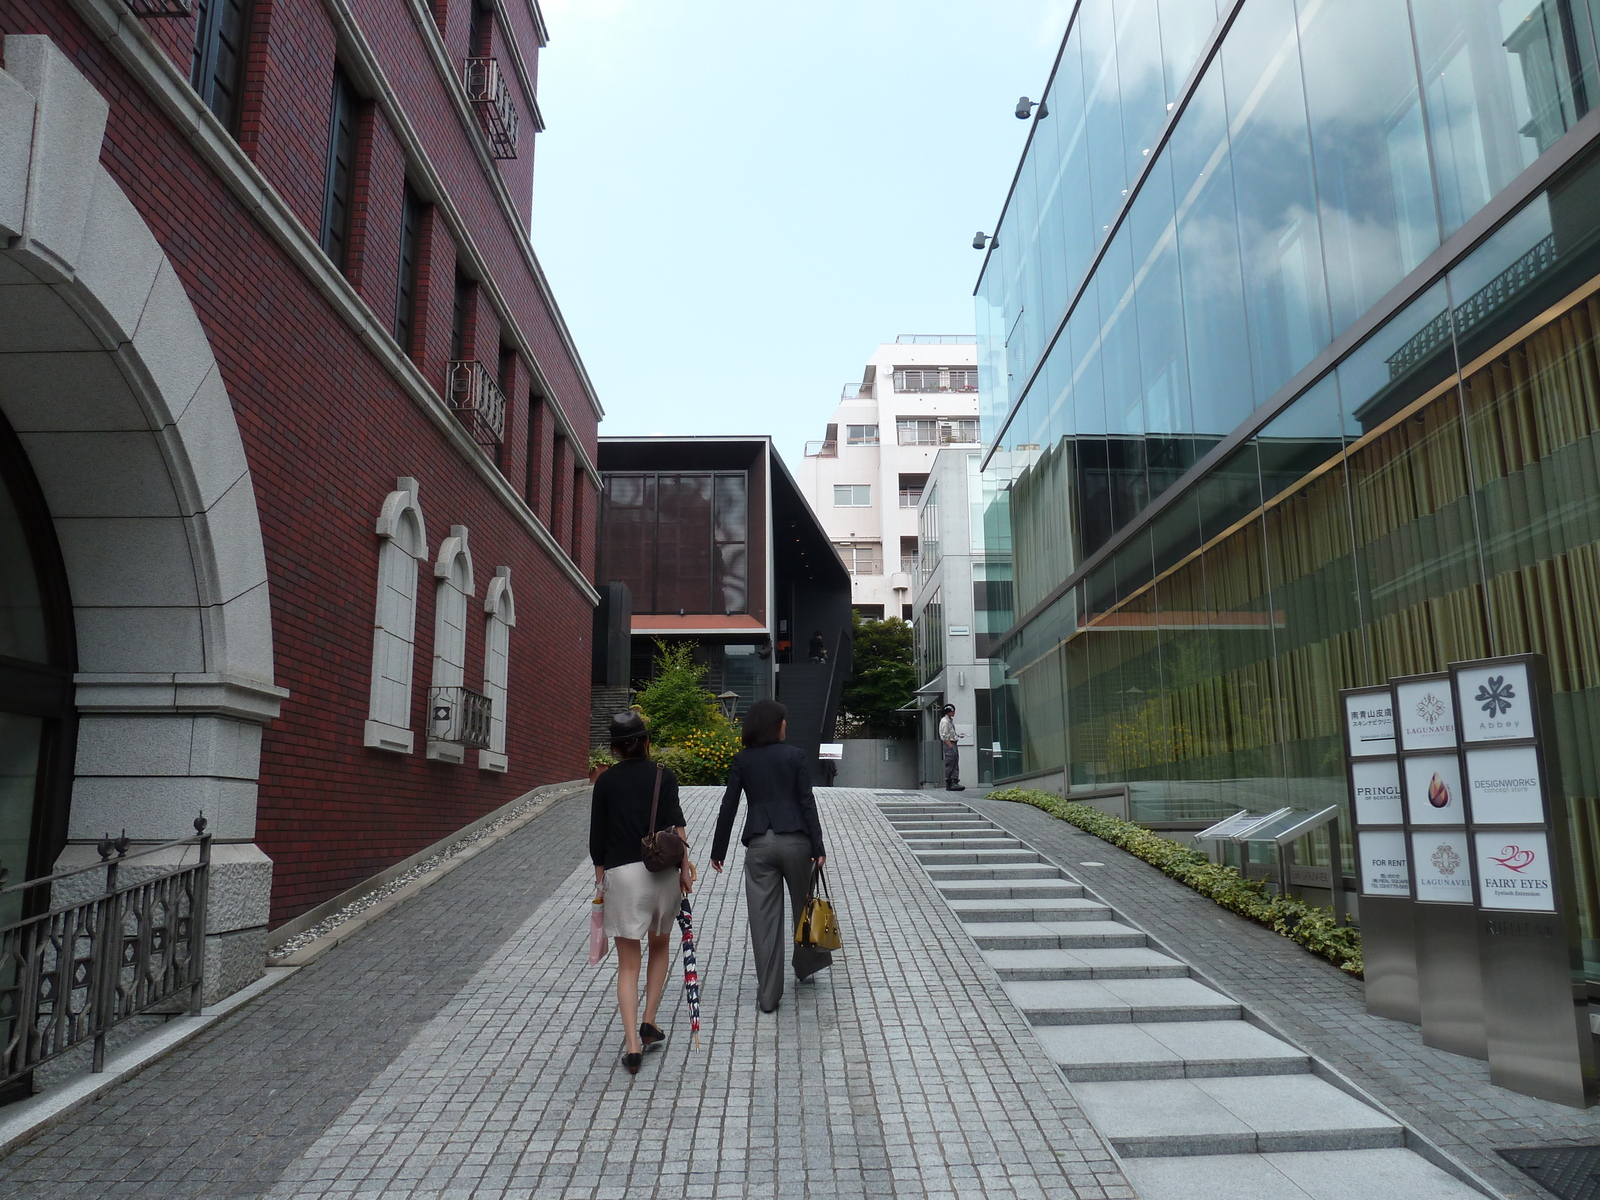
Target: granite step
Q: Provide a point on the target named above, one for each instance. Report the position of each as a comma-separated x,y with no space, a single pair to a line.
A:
1068,908
1133,963
995,889
1054,935
1001,871
1309,1175
924,832
1168,1050
944,858
963,843
1253,1114
1119,1001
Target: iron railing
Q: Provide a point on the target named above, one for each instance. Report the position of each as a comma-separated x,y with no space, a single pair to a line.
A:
459,715
160,8
74,973
478,401
491,98
908,563
910,499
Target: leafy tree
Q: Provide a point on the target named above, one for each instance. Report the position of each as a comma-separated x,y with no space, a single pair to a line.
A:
676,701
884,677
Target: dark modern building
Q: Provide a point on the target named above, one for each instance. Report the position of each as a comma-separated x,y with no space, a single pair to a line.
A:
716,545
1288,353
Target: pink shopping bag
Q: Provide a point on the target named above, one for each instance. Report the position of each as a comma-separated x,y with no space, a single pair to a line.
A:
598,945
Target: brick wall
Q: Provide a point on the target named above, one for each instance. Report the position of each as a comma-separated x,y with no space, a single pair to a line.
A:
327,429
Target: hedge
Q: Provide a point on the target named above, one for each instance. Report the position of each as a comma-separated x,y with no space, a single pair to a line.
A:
1317,929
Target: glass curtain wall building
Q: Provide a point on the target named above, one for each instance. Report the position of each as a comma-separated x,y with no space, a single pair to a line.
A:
1289,371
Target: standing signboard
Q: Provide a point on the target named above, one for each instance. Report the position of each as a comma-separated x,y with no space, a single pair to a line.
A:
1449,978
1539,1041
1383,863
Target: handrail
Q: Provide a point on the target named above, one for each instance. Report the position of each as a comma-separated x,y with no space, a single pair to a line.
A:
105,847
833,671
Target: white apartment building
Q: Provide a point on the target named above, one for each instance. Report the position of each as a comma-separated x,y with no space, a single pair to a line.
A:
865,477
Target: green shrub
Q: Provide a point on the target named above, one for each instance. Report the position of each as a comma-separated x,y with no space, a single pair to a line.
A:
1317,929
676,701
601,756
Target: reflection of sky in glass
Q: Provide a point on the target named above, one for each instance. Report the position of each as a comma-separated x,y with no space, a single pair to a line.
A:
1294,193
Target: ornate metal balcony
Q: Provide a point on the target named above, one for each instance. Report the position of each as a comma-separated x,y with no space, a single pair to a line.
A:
160,8
459,715
491,97
478,401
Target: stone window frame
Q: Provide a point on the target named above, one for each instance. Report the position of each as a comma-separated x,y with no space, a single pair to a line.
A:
404,546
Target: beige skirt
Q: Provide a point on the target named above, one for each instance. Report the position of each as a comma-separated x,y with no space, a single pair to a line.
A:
640,901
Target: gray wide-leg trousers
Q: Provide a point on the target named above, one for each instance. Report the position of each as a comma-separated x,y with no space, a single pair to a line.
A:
771,861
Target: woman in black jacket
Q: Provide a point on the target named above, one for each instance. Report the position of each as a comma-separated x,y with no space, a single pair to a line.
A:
640,904
782,839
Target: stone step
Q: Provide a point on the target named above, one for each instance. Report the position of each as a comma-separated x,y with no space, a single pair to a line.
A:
964,843
1168,1050
945,858
1119,1001
1313,1175
1054,935
982,912
1031,870
1135,963
996,889
948,829
1253,1114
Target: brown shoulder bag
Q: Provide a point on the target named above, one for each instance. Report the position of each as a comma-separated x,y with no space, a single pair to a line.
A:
662,850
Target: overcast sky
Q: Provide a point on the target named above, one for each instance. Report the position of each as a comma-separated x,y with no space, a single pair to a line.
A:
737,200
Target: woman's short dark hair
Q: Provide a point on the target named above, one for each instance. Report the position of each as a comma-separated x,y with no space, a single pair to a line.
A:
634,747
763,724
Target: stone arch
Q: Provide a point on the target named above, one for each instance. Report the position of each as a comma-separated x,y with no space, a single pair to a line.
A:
500,608
109,381
394,635
453,570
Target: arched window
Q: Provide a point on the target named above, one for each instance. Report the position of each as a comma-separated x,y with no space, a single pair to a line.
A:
501,606
404,545
453,570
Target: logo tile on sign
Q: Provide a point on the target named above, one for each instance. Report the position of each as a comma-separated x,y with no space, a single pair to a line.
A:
1423,714
1495,702
1433,789
1442,874
1514,871
1504,782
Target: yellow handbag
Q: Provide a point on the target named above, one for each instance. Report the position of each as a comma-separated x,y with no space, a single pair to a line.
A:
818,927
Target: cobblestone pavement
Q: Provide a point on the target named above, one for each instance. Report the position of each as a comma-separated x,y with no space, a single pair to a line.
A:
1446,1097
223,1115
462,1048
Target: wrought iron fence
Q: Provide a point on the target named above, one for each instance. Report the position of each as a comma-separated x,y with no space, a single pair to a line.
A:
491,97
75,972
460,715
479,402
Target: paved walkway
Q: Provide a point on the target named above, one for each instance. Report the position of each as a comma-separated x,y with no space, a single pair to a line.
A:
462,1047
1446,1097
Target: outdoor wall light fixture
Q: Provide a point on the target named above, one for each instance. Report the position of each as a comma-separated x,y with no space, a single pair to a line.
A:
1025,108
982,241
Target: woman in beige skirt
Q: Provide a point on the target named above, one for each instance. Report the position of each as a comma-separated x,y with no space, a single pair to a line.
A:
640,904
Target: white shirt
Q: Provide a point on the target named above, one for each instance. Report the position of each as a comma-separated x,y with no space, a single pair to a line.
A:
947,730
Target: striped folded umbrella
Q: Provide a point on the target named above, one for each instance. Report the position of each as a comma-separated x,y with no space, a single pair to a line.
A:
691,972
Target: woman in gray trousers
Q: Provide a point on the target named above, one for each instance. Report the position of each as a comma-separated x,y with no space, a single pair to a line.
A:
782,839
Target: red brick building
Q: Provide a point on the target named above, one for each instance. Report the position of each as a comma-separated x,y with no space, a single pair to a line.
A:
291,428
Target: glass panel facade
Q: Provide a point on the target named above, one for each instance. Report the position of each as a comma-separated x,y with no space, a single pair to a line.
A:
1195,576
679,541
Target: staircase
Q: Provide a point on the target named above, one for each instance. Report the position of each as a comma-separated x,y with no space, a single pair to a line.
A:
1196,1099
803,688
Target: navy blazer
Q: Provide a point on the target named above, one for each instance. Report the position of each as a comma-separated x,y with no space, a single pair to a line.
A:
777,779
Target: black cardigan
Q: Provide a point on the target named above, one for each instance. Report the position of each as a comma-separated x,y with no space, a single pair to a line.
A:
620,811
777,779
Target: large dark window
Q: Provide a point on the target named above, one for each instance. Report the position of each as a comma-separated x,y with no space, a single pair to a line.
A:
679,541
458,318
405,301
217,73
340,180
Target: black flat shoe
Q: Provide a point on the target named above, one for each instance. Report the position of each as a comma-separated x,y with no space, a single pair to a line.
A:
632,1062
651,1036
